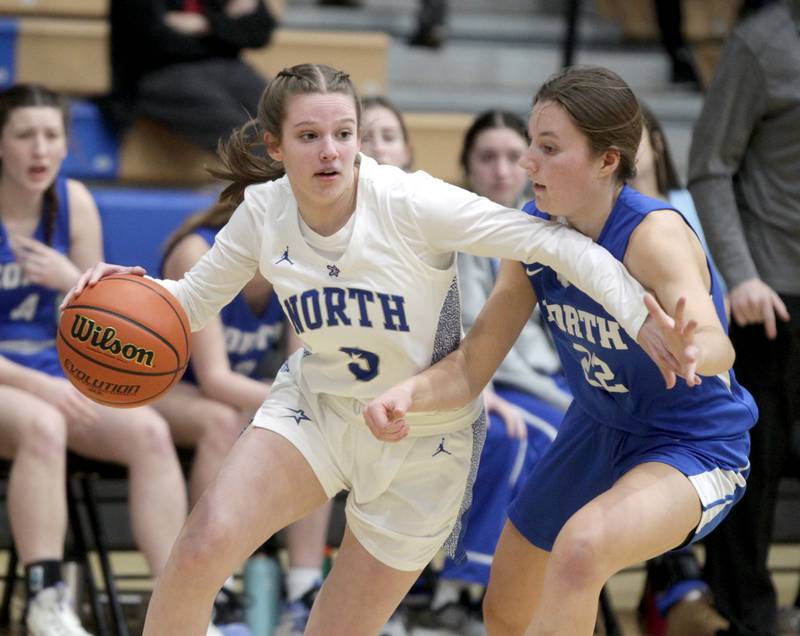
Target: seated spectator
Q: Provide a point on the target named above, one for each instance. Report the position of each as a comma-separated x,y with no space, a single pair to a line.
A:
384,135
178,62
50,233
226,382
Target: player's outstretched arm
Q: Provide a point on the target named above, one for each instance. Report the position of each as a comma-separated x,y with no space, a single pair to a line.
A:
666,256
462,375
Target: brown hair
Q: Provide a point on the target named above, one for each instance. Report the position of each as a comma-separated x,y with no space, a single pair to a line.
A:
24,96
377,101
666,173
603,107
490,119
241,165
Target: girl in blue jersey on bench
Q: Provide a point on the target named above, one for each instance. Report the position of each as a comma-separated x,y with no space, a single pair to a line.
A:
50,231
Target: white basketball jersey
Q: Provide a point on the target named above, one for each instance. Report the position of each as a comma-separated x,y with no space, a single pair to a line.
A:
370,319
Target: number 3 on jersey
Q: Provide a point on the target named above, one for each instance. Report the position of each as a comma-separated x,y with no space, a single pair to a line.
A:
26,310
364,365
597,372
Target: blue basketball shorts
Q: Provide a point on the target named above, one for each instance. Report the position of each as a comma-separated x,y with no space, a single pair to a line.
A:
588,457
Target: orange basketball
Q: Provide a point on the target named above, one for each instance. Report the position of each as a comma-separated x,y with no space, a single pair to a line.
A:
123,342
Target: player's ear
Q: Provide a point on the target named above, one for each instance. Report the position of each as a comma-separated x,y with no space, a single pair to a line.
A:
273,146
610,161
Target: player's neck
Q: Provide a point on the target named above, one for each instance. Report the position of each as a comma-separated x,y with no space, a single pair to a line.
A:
591,219
647,184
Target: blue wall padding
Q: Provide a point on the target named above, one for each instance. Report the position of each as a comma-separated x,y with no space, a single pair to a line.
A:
93,146
137,222
9,28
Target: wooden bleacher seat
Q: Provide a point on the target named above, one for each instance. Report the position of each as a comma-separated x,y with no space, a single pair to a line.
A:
363,54
437,140
42,42
154,155
65,54
151,154
72,8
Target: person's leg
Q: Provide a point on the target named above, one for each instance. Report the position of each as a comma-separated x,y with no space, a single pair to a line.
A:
305,544
264,484
515,584
736,552
203,101
359,595
139,439
209,426
33,435
649,510
670,24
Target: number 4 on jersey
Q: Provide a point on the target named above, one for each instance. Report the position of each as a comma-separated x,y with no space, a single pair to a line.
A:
26,310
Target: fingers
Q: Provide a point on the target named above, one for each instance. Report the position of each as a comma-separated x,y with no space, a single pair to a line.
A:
768,316
690,375
780,308
76,290
94,274
680,307
655,310
385,421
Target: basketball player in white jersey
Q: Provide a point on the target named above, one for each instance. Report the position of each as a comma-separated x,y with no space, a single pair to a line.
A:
362,258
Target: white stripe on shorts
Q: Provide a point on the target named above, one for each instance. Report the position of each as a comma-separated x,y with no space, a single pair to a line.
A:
716,489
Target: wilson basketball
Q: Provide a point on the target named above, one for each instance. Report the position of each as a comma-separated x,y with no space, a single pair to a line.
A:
123,342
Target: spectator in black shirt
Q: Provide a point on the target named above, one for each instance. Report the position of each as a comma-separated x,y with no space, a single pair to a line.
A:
178,62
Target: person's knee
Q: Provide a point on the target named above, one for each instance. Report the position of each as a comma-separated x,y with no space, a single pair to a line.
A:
153,436
45,436
220,428
578,556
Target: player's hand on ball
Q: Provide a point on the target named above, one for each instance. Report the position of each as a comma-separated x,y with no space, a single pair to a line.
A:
670,342
386,415
94,274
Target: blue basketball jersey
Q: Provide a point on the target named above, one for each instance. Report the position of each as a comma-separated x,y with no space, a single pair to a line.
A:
248,336
610,376
28,312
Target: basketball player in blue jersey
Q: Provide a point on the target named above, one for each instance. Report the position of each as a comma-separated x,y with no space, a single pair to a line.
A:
362,257
49,231
636,469
224,385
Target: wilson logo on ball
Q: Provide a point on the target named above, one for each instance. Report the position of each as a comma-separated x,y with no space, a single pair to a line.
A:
105,338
